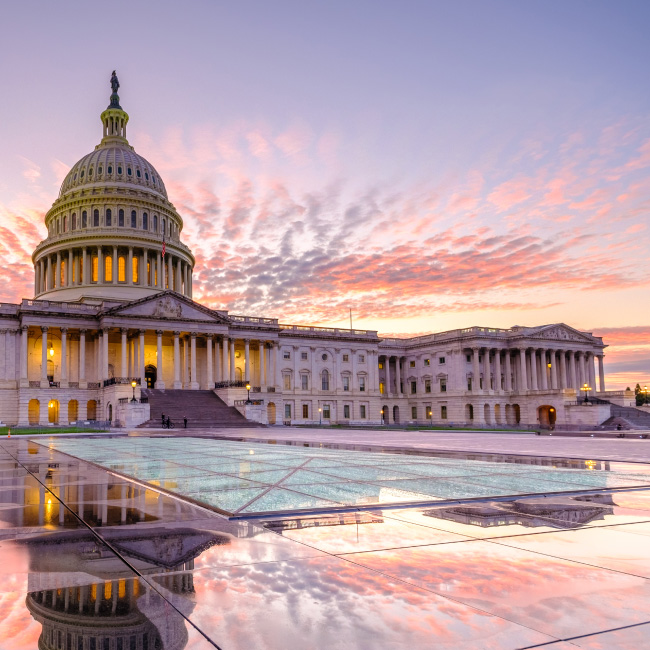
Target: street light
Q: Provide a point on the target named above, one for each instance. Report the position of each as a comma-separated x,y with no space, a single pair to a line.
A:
248,388
133,385
585,388
382,416
320,415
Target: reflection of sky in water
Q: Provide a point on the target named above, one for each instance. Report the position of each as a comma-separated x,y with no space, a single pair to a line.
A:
253,477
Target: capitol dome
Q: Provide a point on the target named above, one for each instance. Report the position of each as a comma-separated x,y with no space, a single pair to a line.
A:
112,231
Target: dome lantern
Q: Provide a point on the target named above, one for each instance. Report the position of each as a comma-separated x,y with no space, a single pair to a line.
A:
114,119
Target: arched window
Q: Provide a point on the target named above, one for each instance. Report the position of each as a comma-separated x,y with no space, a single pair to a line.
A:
74,221
96,218
65,223
146,175
90,173
155,223
145,221
134,269
121,269
95,269
120,218
109,217
110,169
108,269
325,380
134,219
58,226
63,268
164,225
119,169
100,170
170,229
84,219
137,173
128,171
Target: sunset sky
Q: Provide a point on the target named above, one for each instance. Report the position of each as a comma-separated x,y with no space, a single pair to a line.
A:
430,165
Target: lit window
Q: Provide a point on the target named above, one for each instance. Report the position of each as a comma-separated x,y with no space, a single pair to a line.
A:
304,382
95,269
382,387
305,411
412,364
108,269
63,265
362,384
346,358
287,411
429,412
427,362
134,269
443,412
346,383
362,411
381,365
346,411
121,269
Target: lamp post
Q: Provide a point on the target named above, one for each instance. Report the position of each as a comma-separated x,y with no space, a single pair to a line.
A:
382,416
248,388
133,385
320,416
585,388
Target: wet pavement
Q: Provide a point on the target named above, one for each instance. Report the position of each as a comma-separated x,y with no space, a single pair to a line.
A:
93,560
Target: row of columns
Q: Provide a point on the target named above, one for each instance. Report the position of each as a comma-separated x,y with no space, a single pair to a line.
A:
175,274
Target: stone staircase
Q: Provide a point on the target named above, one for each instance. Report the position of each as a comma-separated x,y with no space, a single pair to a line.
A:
633,417
203,409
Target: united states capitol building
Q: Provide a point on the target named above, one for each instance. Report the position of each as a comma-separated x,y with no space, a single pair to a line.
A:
110,309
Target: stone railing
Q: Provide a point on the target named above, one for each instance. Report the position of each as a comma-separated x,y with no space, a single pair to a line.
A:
253,320
121,381
245,402
327,331
40,305
94,384
230,384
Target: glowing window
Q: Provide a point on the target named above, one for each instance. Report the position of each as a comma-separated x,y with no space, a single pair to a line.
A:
73,269
95,269
121,269
108,269
134,269
62,273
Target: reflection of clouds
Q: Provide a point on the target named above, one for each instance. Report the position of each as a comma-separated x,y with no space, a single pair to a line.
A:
328,603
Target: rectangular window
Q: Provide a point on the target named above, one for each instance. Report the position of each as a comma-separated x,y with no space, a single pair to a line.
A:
443,412
362,411
305,411
443,385
145,221
414,387
412,364
427,362
469,383
63,267
74,272
326,411
381,365
382,388
429,413
121,269
362,384
134,269
362,358
120,218
414,412
287,411
346,383
134,219
346,411
286,354
108,217
468,358
108,269
95,269
303,356
346,358
442,361
304,382
287,382
427,385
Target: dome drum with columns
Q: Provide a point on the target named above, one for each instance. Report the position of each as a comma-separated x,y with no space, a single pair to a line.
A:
106,229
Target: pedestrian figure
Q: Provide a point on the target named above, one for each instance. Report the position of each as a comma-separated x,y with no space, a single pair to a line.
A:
168,422
185,422
163,419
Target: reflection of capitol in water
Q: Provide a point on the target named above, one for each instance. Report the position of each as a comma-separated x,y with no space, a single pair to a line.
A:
85,596
552,512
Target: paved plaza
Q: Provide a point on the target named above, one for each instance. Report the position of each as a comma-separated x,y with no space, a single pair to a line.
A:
311,538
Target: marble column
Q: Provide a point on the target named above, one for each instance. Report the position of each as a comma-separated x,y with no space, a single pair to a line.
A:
563,376
159,360
69,274
276,364
225,372
44,381
159,274
572,370
508,377
83,275
194,384
497,371
247,360
592,371
115,265
186,362
124,371
544,369
145,281
177,362
554,384
64,357
523,380
583,369
388,386
57,276
476,370
398,375
178,285
129,267
105,354
487,386
262,363
143,379
232,359
208,370
533,370
217,359
601,373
